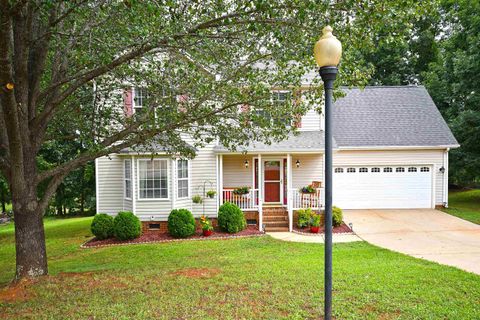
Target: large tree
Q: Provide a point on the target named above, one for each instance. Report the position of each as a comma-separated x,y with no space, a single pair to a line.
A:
63,66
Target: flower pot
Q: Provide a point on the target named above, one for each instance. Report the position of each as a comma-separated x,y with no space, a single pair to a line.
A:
207,233
210,196
314,229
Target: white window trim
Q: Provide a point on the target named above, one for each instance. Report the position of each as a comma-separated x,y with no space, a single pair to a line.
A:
178,179
134,106
168,180
125,180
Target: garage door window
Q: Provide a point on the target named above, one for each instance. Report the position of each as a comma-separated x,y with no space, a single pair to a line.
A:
400,169
338,170
412,169
387,169
363,170
375,169
424,169
351,170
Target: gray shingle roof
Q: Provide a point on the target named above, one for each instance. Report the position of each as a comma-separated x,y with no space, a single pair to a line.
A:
389,116
304,141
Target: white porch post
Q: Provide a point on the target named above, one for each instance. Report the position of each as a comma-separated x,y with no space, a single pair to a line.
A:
220,180
174,181
134,181
260,193
289,192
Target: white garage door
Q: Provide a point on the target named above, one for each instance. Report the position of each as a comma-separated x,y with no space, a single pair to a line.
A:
382,187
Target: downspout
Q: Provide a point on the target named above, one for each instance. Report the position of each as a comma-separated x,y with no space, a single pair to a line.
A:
445,178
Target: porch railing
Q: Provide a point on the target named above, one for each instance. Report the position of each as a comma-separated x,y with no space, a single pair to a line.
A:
301,200
247,201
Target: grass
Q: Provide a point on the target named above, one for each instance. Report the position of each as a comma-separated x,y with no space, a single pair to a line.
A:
254,278
465,205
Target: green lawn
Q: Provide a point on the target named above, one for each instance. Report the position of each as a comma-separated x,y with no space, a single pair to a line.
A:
254,278
465,205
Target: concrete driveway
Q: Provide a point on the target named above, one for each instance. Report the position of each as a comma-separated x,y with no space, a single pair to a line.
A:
423,233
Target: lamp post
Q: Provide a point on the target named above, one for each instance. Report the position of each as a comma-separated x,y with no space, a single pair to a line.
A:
327,52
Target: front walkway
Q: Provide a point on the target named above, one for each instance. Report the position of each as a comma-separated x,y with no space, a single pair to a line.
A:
295,237
428,234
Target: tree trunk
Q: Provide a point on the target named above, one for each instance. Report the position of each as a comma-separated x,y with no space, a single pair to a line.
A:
31,253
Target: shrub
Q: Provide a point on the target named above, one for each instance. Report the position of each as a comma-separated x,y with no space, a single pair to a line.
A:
102,226
231,218
304,217
126,226
337,216
181,223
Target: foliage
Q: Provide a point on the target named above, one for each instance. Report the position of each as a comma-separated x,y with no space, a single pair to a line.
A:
307,189
126,226
102,226
230,218
197,199
205,223
337,216
181,223
315,219
241,190
211,193
304,217
5,196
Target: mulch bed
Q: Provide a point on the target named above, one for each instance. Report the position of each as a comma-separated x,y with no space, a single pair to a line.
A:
343,228
157,236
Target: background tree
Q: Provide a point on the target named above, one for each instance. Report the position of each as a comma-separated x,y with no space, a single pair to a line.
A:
54,55
4,194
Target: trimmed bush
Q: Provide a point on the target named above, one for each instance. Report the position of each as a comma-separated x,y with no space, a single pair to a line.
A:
230,218
102,226
337,216
126,226
181,223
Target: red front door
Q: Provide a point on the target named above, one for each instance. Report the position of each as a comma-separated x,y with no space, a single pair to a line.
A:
272,180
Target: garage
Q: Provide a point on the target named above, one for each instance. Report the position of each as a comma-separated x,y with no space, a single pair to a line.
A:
382,187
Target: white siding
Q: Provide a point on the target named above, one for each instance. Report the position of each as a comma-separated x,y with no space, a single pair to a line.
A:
234,172
310,121
109,173
397,157
204,171
311,169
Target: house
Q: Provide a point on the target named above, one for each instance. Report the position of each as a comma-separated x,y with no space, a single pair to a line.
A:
390,151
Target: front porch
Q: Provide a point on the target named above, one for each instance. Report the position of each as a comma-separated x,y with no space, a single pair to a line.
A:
273,184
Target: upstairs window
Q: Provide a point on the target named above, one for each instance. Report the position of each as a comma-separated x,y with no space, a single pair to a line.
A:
127,176
182,178
139,98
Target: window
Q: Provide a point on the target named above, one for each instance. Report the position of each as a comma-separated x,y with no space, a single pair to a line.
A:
387,169
375,169
400,169
363,170
153,179
412,169
139,98
280,97
351,170
182,178
127,176
338,170
424,169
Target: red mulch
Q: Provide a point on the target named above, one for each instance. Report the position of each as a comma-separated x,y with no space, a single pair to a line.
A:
343,228
158,236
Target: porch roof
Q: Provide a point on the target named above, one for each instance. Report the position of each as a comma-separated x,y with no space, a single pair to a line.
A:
304,141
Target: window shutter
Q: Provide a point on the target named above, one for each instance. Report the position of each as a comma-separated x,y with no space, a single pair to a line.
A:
298,121
127,102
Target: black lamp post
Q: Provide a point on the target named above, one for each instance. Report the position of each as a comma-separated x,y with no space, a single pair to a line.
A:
327,52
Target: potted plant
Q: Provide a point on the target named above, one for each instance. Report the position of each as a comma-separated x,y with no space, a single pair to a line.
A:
211,193
241,191
197,199
207,227
307,189
315,223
